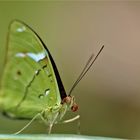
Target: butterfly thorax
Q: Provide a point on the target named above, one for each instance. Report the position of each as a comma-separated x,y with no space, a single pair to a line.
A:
55,114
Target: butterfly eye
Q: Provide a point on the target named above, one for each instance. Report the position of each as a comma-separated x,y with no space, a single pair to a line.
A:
74,108
67,100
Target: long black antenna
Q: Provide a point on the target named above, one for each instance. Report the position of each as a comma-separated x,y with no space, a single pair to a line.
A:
88,65
79,77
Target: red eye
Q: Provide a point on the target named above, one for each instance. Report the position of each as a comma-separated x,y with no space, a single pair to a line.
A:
74,108
67,100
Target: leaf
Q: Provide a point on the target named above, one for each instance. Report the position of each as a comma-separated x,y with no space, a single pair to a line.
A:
54,137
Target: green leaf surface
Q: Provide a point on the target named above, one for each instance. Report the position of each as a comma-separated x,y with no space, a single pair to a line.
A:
54,137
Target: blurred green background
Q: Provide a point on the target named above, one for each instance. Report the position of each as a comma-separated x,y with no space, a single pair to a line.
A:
109,95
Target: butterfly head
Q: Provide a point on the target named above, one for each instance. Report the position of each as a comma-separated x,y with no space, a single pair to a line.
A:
70,101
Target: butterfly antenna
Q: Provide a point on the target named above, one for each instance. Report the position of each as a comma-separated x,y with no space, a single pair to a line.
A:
88,65
75,83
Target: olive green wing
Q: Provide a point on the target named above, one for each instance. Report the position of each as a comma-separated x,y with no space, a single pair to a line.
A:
29,83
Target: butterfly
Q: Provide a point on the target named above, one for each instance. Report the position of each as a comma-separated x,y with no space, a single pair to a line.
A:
31,87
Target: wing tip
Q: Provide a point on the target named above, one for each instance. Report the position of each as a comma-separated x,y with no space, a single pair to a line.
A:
17,22
14,21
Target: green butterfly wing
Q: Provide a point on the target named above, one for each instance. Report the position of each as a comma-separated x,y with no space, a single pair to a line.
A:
30,81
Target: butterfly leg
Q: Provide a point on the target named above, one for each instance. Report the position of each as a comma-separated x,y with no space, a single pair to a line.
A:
52,123
74,119
37,115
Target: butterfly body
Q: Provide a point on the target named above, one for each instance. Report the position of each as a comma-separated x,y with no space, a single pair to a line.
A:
31,83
